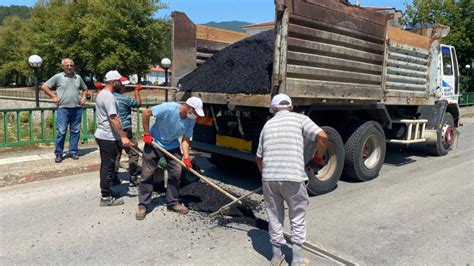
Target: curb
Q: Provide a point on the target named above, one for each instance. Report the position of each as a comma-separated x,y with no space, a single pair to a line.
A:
30,176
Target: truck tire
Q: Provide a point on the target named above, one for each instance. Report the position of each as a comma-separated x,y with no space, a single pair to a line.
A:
325,180
365,151
445,137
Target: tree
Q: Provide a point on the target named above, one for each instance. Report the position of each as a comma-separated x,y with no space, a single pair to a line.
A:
99,35
23,12
458,15
13,62
122,35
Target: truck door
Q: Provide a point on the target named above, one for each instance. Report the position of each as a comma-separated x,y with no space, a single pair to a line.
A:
450,74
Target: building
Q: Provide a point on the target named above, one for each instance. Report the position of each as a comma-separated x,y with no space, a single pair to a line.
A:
156,76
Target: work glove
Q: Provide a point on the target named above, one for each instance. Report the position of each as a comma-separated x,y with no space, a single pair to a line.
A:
138,87
319,161
98,86
188,163
147,138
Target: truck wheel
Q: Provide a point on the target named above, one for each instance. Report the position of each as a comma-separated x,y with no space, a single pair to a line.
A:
445,137
365,151
325,180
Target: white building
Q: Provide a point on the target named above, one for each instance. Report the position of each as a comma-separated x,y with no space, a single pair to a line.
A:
155,76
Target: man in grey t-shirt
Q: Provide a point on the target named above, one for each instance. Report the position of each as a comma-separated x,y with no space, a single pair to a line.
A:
109,135
69,101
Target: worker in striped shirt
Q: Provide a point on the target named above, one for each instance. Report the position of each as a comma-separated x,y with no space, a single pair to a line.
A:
280,159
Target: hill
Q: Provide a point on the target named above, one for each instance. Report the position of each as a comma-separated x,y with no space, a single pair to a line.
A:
23,12
228,25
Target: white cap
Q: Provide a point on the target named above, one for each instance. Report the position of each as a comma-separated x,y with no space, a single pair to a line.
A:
278,99
112,75
196,103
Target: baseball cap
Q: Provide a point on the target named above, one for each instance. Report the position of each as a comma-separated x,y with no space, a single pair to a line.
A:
112,75
124,80
278,99
196,103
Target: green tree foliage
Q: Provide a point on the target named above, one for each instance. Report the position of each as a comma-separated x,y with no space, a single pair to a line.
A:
13,63
23,12
99,35
458,15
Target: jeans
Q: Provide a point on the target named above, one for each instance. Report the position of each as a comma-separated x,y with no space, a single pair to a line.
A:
132,155
68,117
150,159
108,154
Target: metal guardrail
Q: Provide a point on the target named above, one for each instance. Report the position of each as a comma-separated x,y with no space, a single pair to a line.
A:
29,126
466,99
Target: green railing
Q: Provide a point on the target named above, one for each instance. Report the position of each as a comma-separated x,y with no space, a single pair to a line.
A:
466,99
29,126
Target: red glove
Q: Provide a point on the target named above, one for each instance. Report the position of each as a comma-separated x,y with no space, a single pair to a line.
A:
98,86
319,161
188,163
138,87
147,138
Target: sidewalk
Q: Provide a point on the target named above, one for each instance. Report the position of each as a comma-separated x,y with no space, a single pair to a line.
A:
27,164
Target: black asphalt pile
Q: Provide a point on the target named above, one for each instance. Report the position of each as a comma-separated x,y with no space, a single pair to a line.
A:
243,67
202,198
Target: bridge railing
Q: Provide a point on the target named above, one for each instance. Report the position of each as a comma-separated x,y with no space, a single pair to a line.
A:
466,99
29,126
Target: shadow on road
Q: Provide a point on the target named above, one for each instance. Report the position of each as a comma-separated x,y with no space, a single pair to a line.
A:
261,244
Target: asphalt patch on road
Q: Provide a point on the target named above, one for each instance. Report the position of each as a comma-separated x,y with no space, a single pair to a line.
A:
243,67
204,199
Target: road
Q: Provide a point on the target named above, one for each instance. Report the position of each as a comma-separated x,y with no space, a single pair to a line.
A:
420,210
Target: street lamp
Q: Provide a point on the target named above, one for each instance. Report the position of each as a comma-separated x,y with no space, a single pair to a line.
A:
165,64
35,62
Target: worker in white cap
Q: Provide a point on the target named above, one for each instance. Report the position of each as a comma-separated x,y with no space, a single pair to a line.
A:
109,135
280,159
172,122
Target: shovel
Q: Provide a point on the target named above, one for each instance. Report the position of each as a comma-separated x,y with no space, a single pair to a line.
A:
236,201
245,210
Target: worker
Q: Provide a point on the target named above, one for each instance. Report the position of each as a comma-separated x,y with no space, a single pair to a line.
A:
125,105
109,135
172,121
280,159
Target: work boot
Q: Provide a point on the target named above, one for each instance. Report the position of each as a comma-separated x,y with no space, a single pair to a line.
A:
178,208
59,158
133,181
277,260
140,214
303,262
110,201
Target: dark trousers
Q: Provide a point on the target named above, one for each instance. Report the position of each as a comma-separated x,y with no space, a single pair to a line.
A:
132,155
150,159
108,155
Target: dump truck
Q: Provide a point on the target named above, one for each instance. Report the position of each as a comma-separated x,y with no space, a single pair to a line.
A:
367,84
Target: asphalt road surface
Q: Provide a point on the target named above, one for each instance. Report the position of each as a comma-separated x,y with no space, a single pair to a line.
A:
420,210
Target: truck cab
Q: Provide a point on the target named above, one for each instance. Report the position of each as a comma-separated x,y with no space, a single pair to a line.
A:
449,74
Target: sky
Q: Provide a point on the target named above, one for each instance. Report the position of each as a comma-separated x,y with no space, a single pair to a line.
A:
252,11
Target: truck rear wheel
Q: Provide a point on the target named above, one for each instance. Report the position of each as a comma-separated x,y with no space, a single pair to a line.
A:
325,180
365,151
445,137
